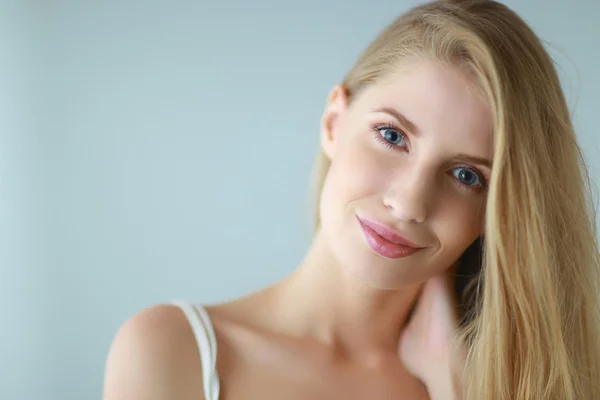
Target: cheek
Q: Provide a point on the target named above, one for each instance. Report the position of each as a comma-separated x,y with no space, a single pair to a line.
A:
355,173
358,171
460,223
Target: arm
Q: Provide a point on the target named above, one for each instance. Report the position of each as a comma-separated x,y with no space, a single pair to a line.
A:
443,385
154,357
426,343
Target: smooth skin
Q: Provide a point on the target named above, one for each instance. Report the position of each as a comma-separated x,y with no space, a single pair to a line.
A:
337,328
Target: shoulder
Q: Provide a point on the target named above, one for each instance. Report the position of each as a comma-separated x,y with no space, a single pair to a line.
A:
154,356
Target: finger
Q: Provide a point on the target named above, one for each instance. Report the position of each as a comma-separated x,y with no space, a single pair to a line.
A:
410,350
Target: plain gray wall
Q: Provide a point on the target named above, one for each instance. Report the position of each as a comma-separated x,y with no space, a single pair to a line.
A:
156,150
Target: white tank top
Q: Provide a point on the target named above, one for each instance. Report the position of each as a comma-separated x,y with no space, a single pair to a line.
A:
207,346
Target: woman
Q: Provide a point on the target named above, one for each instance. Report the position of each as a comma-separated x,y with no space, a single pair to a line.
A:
447,156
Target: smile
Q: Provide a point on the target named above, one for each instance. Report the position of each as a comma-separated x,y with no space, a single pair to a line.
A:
385,242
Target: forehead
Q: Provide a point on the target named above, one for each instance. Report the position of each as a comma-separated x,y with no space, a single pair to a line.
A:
442,101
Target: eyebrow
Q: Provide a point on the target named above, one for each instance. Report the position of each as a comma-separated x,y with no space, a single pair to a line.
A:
408,124
415,130
475,160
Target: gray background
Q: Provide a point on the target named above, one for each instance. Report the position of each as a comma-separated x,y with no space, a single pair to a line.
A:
159,150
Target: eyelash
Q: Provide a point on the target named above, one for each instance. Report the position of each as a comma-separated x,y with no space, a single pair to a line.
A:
389,125
459,184
477,189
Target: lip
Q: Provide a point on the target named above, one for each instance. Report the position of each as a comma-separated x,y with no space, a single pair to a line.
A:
386,242
388,234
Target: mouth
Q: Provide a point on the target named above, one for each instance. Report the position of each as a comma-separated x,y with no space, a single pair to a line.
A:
385,241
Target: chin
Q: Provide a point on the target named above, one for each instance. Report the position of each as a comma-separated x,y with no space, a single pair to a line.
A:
357,260
381,273
378,281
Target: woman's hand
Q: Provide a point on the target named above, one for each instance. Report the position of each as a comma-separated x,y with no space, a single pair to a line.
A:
427,346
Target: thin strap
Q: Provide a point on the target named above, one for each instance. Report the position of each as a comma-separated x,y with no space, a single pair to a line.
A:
204,333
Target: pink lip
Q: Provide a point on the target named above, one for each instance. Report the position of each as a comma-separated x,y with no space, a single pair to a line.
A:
388,234
385,242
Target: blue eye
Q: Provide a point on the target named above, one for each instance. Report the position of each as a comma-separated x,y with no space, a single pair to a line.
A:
467,177
392,136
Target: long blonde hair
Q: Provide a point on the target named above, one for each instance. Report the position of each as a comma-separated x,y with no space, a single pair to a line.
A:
534,331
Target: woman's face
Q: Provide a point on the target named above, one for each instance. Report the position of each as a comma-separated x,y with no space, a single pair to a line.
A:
410,161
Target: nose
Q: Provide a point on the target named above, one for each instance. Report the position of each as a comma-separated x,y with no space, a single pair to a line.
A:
409,195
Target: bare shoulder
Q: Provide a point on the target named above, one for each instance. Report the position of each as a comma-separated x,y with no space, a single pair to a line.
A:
154,356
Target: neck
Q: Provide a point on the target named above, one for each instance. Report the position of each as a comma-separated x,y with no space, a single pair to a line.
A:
321,299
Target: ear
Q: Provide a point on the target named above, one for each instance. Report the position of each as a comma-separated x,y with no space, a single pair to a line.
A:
337,103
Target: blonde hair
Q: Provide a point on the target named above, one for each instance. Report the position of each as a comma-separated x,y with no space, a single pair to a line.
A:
534,330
